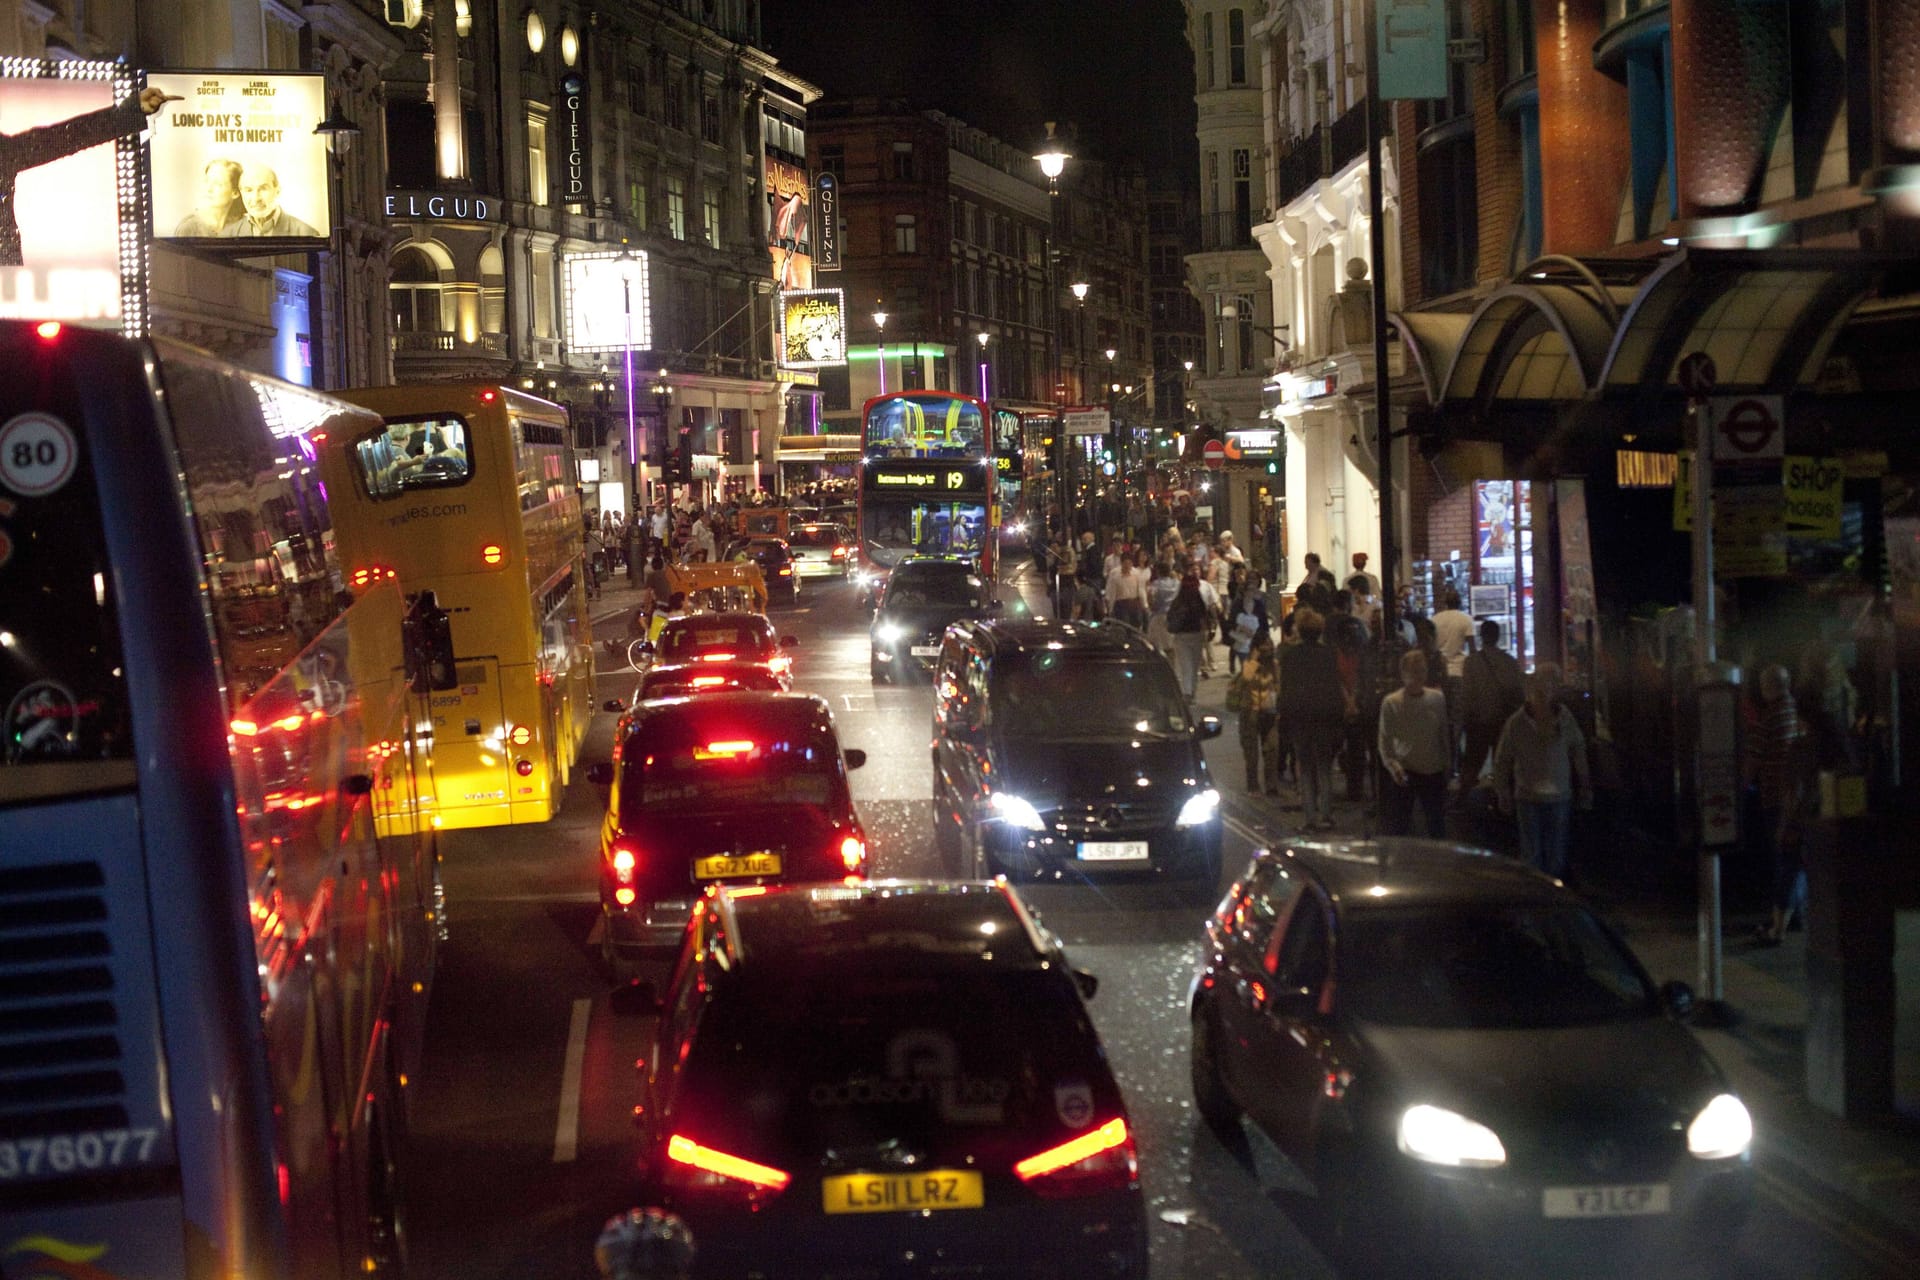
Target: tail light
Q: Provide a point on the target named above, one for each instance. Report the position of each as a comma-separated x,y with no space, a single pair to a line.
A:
784,571
523,767
48,329
492,553
839,553
853,853
624,862
1103,1160
692,1167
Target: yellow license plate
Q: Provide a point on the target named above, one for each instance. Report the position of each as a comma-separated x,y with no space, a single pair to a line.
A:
902,1192
723,866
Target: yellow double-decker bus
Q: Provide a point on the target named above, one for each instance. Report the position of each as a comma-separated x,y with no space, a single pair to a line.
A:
468,491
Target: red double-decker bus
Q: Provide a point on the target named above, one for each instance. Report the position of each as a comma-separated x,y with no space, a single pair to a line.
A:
927,484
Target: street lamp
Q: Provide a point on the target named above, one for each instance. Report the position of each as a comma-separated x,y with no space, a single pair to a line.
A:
1052,158
880,323
1230,310
338,133
981,338
628,267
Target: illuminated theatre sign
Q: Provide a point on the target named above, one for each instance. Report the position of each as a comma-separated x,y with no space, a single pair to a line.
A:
72,245
813,328
607,301
236,159
445,205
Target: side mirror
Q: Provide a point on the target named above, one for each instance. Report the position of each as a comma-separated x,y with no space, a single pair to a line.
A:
1678,997
788,642
1088,984
1210,727
601,774
636,999
614,705
855,757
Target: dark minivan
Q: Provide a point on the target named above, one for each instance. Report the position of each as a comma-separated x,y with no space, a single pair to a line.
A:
1066,750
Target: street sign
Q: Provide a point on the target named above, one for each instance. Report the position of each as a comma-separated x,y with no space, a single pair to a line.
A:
1748,429
1215,453
1696,373
1813,487
1086,422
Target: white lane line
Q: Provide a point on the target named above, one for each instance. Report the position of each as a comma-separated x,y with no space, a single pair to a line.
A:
1246,832
566,1131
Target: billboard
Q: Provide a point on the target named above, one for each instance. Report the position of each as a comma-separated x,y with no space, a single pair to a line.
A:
813,328
607,307
789,225
71,244
237,157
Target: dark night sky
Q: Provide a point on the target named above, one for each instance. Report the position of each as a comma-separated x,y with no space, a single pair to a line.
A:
1119,69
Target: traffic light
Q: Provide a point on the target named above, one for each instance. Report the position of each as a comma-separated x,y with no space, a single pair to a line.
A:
1273,466
680,466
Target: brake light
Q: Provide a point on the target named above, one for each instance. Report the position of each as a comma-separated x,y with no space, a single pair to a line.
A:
839,553
244,728
708,682
853,852
723,750
716,657
720,1168
48,329
623,863
319,437
1102,1160
492,553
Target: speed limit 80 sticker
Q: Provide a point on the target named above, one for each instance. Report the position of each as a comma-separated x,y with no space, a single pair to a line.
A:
38,454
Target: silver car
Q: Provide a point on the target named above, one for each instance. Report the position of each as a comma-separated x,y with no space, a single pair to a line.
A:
822,550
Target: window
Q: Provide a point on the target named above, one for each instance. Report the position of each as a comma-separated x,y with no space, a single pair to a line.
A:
1245,325
833,160
710,215
973,289
636,89
1236,46
414,295
677,208
540,449
493,291
710,118
283,37
676,103
1243,195
903,162
543,293
637,202
906,233
536,158
414,453
1449,213
1301,964
1206,51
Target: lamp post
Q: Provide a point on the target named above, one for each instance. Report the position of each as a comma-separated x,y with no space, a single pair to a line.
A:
985,391
663,403
338,133
1052,158
880,323
629,269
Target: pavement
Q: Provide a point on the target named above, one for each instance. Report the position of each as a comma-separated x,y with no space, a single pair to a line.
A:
1858,1179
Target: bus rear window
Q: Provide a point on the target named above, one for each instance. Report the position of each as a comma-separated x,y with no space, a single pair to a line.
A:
63,689
414,453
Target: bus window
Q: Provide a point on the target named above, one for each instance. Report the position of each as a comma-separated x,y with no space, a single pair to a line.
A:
415,453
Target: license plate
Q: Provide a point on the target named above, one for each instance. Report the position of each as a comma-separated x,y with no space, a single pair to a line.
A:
723,866
925,651
1113,850
902,1192
1606,1202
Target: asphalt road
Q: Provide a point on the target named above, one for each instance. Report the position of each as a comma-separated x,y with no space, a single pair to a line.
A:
521,1142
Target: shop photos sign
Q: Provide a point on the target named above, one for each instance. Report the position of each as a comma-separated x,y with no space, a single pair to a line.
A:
607,301
813,328
237,158
71,247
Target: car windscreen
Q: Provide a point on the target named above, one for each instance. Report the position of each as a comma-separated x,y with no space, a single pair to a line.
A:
1056,694
915,586
697,641
822,536
1465,965
874,1048
693,767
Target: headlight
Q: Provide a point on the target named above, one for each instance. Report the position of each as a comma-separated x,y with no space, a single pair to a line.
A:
1199,808
1439,1136
1011,808
1722,1129
888,633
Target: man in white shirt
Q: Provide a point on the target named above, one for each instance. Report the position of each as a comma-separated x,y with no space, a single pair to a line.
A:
1452,630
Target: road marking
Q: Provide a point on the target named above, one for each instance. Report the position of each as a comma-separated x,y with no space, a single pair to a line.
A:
1855,1237
1246,832
566,1131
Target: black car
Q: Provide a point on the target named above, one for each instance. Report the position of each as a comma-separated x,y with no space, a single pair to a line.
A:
723,788
1067,749
725,640
1460,1054
924,596
775,559
890,1078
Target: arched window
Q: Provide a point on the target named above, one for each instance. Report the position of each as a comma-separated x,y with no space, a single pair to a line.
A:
415,293
493,291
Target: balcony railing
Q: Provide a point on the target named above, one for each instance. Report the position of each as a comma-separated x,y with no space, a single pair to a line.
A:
442,342
1226,229
1321,154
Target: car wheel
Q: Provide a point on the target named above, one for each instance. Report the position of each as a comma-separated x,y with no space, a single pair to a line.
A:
1210,1096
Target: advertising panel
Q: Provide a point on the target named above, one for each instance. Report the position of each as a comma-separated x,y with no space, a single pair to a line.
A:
813,328
237,158
607,307
1412,40
789,225
70,245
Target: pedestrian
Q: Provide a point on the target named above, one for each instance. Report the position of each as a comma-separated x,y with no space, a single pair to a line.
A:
1453,633
1312,714
1347,636
1492,688
1215,608
1413,749
1540,771
1187,623
1162,587
1253,695
1127,592
1090,576
1360,571
1247,612
1778,768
